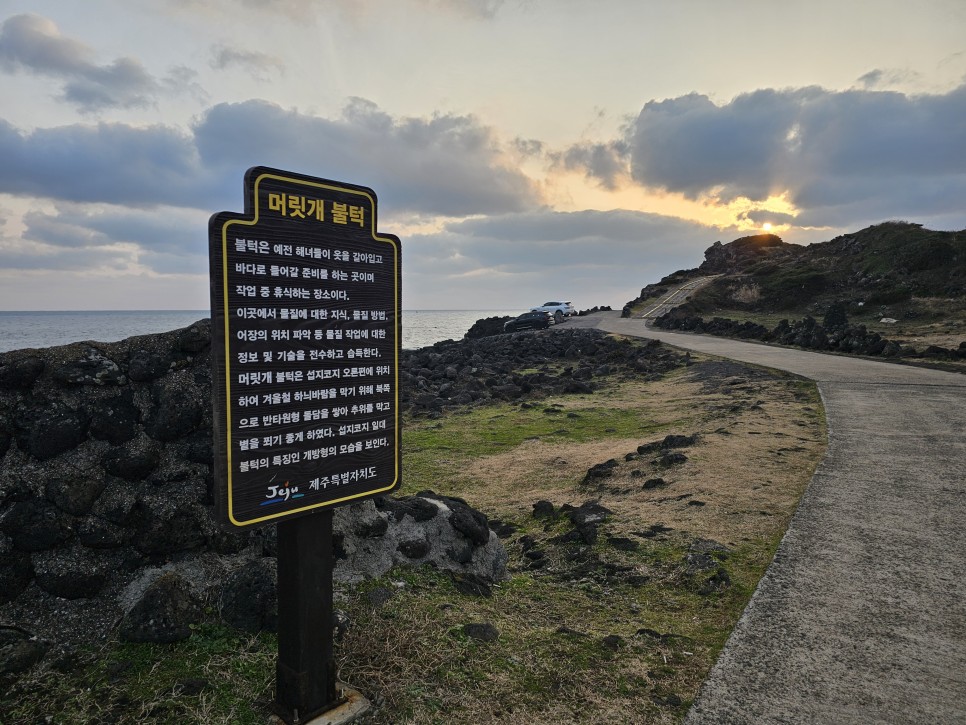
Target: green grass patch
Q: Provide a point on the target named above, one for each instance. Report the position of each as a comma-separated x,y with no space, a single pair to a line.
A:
218,675
437,450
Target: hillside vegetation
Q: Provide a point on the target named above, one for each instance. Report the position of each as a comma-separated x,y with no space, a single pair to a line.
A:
911,277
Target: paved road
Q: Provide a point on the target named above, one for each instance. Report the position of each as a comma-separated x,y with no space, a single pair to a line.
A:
676,297
861,618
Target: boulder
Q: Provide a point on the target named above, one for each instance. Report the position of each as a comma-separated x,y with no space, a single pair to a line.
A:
19,650
76,495
481,631
177,408
456,539
114,419
168,523
16,570
133,461
50,429
249,599
163,613
36,525
20,372
92,368
145,366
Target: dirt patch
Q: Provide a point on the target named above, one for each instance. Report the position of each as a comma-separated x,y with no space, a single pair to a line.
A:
758,441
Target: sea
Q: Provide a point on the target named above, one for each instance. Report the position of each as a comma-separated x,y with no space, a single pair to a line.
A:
46,329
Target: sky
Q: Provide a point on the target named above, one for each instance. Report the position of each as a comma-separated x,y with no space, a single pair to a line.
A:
523,150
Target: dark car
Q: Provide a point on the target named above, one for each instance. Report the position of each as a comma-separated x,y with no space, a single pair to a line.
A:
529,321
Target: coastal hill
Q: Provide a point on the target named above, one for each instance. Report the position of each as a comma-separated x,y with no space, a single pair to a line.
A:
900,281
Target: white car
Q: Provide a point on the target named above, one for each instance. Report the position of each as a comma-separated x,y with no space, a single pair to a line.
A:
559,310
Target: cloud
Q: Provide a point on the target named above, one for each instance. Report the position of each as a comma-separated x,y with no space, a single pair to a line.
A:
841,155
528,147
441,164
470,8
880,78
166,230
139,197
604,162
758,217
518,260
86,255
108,162
34,44
98,238
182,80
259,65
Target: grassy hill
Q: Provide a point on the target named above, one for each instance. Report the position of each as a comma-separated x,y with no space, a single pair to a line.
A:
895,270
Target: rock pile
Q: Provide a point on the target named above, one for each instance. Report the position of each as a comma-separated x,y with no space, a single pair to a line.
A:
489,326
561,361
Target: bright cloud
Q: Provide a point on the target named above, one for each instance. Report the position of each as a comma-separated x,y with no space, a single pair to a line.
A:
836,157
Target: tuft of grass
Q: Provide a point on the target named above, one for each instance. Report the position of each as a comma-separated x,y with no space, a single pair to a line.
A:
218,675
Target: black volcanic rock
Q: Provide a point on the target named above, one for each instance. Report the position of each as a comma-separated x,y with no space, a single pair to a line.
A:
20,372
486,327
51,429
722,258
163,614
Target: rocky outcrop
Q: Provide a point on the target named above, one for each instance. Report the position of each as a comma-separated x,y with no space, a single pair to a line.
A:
808,333
592,310
737,255
487,326
106,502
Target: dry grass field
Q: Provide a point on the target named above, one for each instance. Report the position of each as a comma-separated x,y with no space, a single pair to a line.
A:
623,630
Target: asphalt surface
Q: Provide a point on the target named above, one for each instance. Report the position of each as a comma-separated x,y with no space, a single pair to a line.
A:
861,618
676,297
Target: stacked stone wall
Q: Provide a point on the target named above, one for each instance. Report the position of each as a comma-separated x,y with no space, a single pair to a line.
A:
106,504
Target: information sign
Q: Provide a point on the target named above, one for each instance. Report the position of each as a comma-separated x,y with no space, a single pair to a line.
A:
305,306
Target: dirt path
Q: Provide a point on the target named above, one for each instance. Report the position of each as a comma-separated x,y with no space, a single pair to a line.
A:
861,618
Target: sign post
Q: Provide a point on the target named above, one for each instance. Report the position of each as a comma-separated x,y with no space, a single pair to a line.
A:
306,328
305,673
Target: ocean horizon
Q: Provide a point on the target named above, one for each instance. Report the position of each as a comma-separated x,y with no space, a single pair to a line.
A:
48,328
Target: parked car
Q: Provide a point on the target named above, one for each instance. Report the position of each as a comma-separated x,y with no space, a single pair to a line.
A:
533,320
559,310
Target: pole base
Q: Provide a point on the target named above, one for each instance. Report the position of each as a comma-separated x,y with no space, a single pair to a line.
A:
351,705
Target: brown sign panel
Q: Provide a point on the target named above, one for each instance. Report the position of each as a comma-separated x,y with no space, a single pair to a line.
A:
306,332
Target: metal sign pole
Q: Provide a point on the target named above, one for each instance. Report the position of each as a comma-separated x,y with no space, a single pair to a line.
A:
305,673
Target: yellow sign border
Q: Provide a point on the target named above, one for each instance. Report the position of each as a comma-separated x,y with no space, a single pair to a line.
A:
396,326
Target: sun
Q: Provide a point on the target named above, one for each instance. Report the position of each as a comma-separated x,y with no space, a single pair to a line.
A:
766,227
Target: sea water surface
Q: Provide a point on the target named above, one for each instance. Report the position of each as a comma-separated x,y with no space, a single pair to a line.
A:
46,329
